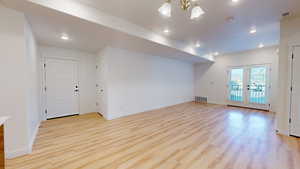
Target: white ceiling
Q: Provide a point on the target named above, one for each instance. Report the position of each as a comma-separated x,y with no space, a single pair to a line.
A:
212,30
48,25
91,37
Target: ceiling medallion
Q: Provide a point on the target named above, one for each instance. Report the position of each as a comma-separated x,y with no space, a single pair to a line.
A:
196,12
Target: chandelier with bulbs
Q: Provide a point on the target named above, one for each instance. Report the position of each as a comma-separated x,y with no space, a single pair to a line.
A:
196,11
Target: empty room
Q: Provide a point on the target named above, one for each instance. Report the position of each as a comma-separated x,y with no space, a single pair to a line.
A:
150,84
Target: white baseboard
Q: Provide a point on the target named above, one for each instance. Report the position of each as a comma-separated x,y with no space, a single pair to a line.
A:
35,133
112,117
18,152
283,132
24,150
103,115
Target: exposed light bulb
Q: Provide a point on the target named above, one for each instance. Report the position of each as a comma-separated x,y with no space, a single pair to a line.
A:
165,9
261,45
197,11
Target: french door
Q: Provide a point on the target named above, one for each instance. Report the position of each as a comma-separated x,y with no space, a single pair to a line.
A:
248,86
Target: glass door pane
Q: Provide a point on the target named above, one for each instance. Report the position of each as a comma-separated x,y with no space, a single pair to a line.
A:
258,85
236,85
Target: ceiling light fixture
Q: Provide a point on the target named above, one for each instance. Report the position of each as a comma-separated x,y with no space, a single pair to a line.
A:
216,53
253,31
197,11
64,37
198,45
166,31
235,1
185,5
165,9
261,45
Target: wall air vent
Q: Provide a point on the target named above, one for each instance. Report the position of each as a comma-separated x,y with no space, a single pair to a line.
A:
286,14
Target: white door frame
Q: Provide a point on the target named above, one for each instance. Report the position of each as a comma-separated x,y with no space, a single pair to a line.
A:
290,83
44,82
229,102
246,78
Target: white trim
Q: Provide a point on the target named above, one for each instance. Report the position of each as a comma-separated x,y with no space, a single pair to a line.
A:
32,140
112,117
24,150
250,65
290,83
283,132
18,152
62,58
289,102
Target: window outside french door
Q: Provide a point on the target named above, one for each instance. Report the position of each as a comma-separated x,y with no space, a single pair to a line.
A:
248,86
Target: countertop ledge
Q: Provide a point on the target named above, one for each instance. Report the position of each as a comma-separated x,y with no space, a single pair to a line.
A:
3,119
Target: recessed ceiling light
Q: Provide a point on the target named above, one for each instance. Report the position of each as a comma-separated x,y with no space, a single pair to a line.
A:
252,31
235,1
198,45
230,19
261,45
64,37
166,31
216,53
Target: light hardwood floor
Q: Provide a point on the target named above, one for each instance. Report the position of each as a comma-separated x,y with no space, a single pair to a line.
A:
186,136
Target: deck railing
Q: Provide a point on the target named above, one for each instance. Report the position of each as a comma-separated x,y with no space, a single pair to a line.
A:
257,93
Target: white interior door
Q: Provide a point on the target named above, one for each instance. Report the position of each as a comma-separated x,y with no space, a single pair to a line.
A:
295,94
100,93
248,86
62,88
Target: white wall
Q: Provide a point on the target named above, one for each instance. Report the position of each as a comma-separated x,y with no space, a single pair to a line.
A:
34,88
20,83
289,36
13,95
87,73
211,79
137,82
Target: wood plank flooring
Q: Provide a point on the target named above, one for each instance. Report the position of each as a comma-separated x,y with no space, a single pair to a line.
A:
186,136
